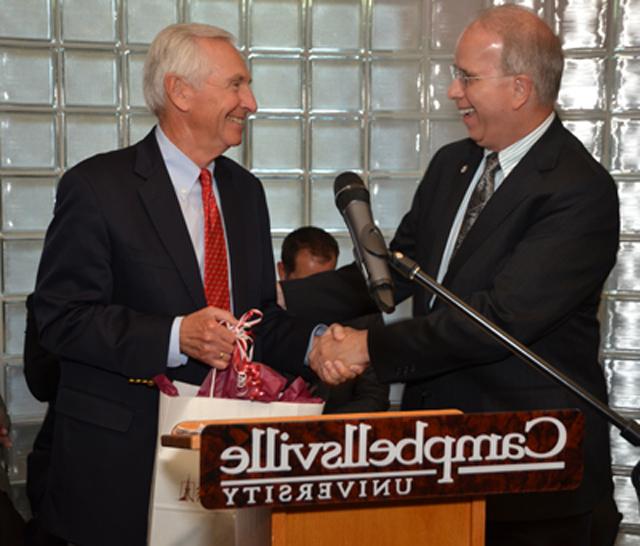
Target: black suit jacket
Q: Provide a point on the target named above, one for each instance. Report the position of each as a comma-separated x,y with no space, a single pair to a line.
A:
117,266
534,263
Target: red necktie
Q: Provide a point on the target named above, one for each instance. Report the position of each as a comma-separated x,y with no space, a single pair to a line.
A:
216,272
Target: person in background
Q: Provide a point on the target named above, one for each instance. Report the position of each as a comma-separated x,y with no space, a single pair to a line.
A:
11,522
150,250
309,251
522,223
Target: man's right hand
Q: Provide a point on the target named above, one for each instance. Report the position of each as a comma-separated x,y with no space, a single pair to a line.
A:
204,338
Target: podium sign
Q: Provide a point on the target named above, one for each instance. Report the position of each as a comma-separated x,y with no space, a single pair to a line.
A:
408,456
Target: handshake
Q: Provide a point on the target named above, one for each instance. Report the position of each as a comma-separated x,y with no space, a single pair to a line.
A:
340,354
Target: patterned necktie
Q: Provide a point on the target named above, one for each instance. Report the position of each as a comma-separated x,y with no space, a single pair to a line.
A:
481,194
216,272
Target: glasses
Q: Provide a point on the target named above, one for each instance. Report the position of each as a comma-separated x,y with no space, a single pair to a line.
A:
464,78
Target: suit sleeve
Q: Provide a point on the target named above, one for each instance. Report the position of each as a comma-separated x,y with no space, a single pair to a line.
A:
555,252
283,338
74,299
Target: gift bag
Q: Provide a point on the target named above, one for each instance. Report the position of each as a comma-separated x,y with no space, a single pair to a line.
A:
176,516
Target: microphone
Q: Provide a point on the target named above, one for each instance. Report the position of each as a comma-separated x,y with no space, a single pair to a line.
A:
370,250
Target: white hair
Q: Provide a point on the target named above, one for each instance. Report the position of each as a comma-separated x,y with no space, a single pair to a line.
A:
175,50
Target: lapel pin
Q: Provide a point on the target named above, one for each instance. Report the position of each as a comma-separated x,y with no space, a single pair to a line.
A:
463,169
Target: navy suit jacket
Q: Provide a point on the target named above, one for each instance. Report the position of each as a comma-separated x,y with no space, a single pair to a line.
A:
117,266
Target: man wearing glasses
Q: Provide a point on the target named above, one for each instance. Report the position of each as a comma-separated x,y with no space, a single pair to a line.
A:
522,223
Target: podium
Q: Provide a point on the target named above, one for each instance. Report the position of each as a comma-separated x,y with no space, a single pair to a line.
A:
383,478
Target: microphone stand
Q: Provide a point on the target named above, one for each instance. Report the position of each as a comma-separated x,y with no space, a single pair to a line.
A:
629,429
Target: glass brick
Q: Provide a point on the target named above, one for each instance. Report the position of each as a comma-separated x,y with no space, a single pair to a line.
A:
623,380
438,86
20,402
324,212
139,126
448,20
336,85
621,325
277,144
90,78
145,18
626,499
395,85
26,19
276,24
625,143
336,24
277,84
535,5
20,260
443,132
395,145
21,500
583,86
236,153
629,195
101,13
590,133
221,13
581,23
27,203
628,19
135,66
391,200
15,316
627,538
345,250
626,83
22,438
396,24
336,145
27,141
285,199
88,135
27,76
622,452
626,273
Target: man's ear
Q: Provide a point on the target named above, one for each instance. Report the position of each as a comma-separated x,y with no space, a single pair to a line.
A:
522,90
178,91
282,275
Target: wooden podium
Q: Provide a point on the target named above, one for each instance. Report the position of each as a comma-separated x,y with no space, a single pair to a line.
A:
334,463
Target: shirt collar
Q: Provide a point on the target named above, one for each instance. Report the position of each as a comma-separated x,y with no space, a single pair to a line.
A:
184,173
511,155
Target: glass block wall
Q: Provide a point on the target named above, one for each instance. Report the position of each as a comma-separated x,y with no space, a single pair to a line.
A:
341,84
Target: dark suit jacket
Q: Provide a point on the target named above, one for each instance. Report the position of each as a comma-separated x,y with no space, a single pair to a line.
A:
117,266
363,394
534,263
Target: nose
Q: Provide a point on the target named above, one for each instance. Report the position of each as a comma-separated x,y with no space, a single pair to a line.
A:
248,99
455,90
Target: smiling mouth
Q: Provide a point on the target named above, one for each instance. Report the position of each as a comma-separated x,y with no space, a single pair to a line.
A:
465,112
239,121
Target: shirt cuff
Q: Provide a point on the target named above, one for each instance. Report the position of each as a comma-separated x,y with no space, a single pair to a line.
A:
318,331
175,358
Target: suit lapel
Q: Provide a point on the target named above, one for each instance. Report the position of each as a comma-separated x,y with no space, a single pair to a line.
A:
516,187
159,199
232,203
455,184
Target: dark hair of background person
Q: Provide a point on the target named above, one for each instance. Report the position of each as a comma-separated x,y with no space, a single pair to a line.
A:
319,242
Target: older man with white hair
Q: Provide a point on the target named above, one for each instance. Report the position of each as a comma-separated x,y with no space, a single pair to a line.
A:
150,248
